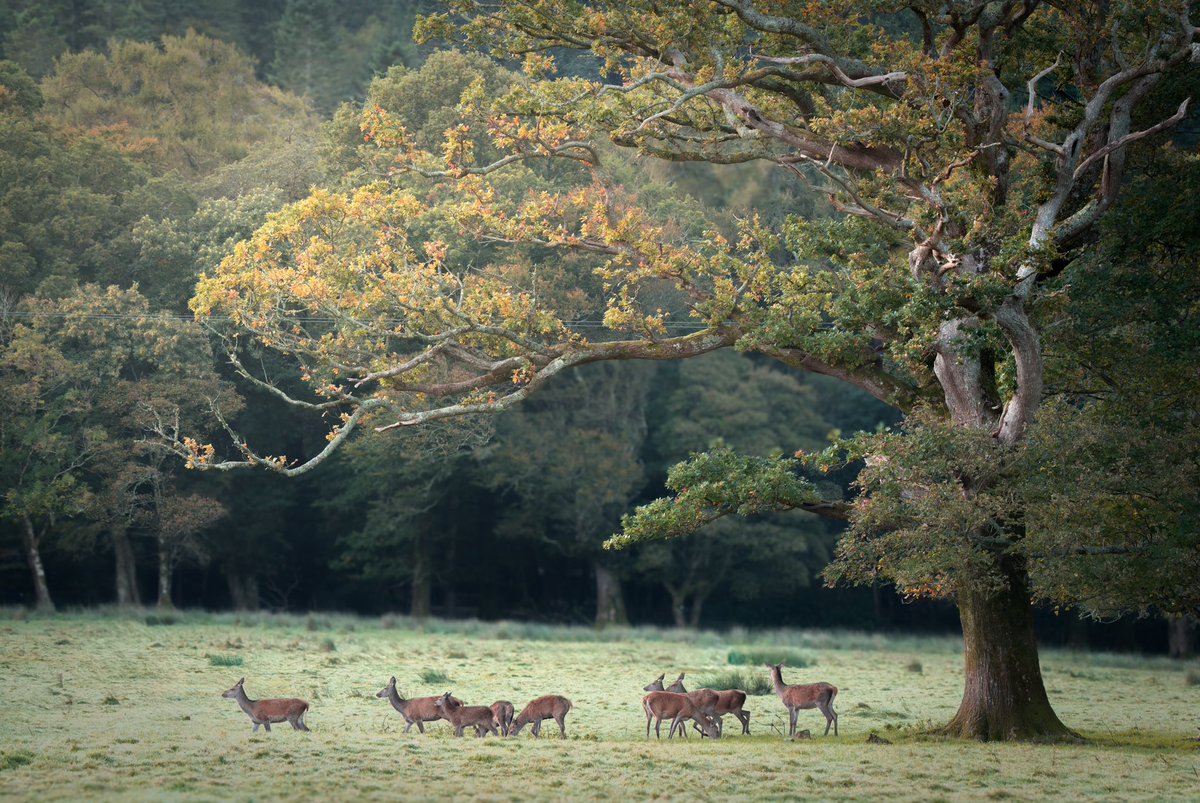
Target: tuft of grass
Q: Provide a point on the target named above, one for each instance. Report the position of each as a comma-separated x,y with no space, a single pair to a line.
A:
434,677
1192,678
225,660
110,700
770,655
327,645
914,666
161,619
10,760
751,683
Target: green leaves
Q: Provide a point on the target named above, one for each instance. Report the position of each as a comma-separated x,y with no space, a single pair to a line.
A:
714,484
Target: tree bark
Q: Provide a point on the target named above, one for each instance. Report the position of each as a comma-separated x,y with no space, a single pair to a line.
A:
164,574
610,602
37,571
126,568
1004,697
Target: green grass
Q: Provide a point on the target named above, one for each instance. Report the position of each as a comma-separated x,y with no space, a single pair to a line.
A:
771,655
111,707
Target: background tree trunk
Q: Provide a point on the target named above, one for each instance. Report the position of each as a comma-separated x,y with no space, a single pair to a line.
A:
164,574
128,594
38,572
1181,636
243,589
421,599
1004,697
610,602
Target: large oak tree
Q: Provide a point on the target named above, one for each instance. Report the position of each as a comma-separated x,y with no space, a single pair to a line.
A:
968,148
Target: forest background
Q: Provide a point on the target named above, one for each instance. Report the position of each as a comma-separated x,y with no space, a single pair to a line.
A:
138,143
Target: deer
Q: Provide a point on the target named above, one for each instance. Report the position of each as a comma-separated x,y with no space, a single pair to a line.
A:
264,712
503,711
462,716
810,695
416,711
551,706
729,701
660,705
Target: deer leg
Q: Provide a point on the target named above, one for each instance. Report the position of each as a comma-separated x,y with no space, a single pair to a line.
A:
675,723
792,712
537,729
657,729
745,718
267,724
255,725
562,726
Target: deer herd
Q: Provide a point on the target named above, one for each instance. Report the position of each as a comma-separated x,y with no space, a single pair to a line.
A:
704,707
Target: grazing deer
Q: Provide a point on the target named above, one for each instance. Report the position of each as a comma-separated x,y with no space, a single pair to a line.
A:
810,695
264,712
660,705
503,711
552,706
729,701
416,711
479,717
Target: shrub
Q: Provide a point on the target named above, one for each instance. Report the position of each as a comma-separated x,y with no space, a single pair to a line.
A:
434,677
755,683
770,655
225,660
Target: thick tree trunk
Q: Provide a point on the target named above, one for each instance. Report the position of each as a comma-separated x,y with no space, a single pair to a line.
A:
1004,696
126,569
421,600
37,571
164,574
610,602
1181,634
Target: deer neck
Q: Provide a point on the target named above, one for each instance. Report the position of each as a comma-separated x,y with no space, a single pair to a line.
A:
398,702
245,703
777,680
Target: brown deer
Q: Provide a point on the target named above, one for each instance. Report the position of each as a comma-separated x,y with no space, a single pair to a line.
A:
479,717
730,701
503,711
810,695
660,705
551,706
415,711
264,712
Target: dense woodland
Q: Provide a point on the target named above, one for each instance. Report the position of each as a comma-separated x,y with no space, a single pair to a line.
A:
139,143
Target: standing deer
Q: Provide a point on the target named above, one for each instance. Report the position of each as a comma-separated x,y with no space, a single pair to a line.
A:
810,695
264,712
416,711
730,701
503,711
660,705
551,706
462,716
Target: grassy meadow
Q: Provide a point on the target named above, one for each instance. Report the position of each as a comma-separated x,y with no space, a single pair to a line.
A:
125,706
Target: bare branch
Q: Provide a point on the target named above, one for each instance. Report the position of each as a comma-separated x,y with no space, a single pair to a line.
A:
1179,114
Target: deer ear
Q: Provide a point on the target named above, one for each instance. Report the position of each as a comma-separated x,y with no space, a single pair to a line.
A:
240,682
392,682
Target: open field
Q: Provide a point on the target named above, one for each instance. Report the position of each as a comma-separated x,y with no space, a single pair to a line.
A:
95,707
